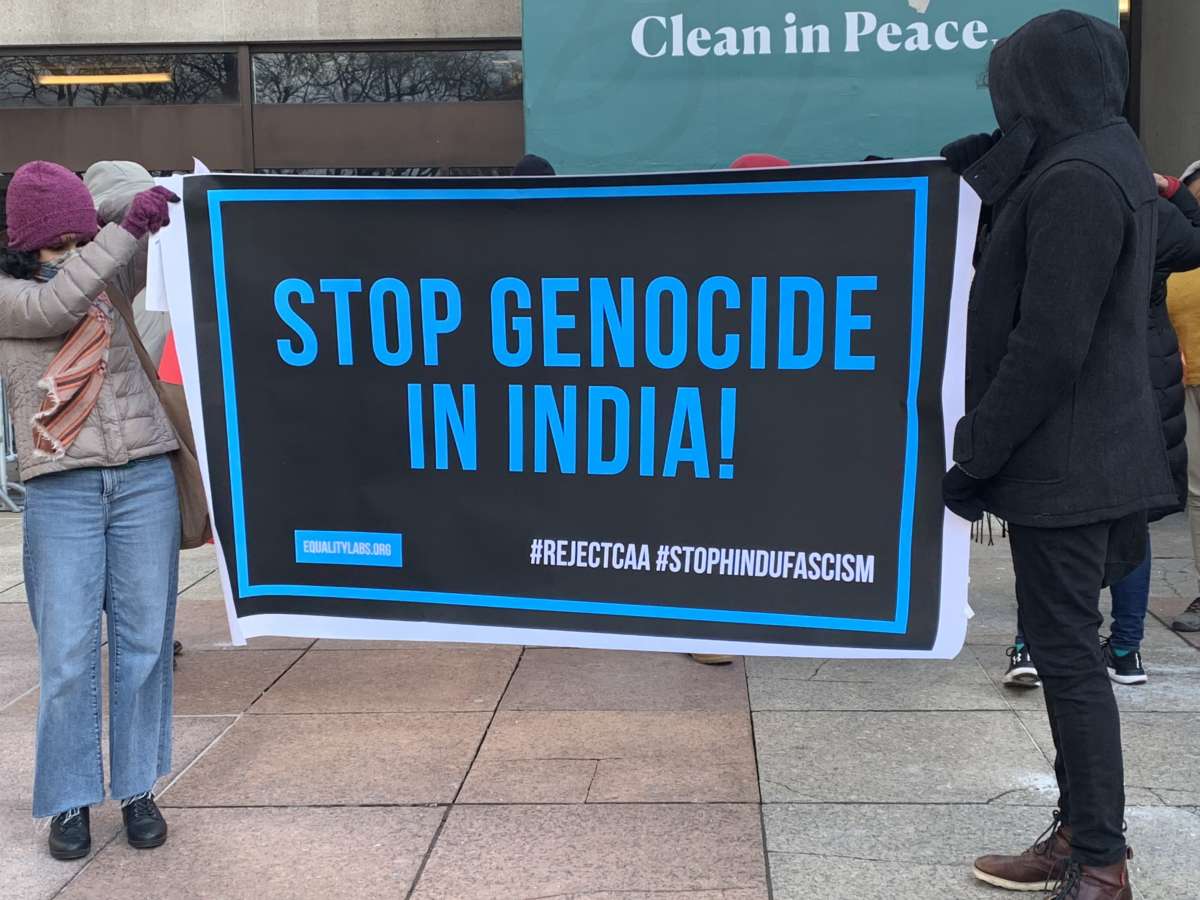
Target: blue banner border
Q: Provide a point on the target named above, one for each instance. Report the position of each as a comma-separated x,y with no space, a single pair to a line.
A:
897,625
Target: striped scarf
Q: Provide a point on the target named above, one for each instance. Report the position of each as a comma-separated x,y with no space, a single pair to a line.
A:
73,381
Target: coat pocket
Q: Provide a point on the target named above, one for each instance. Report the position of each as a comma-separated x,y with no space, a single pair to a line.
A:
1045,457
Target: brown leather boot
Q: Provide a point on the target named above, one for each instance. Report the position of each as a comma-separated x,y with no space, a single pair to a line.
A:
1040,868
711,659
1095,883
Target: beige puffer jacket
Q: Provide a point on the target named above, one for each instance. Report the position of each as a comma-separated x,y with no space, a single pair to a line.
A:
128,422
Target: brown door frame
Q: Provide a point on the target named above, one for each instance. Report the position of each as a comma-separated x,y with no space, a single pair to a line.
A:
246,94
1133,105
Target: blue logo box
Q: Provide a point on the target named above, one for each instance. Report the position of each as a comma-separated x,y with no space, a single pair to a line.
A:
350,548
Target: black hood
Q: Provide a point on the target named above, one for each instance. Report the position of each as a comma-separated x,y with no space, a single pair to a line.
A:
529,164
1064,73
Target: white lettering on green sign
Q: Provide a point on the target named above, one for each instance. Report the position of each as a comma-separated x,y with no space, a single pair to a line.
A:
657,37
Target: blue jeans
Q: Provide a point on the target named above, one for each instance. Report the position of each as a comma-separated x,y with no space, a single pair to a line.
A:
96,537
1130,600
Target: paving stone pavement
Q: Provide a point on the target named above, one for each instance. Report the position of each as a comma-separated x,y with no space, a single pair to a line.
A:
330,769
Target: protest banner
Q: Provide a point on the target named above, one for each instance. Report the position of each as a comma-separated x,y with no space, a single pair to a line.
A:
645,85
698,411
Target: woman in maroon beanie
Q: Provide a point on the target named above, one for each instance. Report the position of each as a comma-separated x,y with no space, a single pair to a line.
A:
102,516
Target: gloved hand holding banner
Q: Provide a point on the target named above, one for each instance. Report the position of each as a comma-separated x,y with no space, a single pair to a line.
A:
695,412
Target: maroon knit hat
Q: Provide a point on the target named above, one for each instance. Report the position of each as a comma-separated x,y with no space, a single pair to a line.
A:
759,161
44,202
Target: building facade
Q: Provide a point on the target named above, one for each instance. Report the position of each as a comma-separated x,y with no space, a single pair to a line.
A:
343,86
264,85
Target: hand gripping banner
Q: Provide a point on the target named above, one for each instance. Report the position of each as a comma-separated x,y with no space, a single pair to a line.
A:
697,411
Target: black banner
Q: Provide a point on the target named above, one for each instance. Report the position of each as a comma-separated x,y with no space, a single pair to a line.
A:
697,406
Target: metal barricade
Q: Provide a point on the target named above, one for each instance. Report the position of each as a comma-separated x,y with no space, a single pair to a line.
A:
12,493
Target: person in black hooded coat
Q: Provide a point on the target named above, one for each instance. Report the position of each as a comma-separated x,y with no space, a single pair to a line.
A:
1178,250
1062,435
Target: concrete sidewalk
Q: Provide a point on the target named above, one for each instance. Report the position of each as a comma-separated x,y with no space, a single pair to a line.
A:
325,769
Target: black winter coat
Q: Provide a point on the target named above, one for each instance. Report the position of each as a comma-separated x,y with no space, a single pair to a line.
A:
1178,251
1062,426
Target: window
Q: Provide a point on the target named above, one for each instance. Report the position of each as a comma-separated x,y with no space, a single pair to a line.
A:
124,79
388,76
405,172
402,172
475,171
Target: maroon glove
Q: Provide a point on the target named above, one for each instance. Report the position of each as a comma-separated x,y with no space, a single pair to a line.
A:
149,212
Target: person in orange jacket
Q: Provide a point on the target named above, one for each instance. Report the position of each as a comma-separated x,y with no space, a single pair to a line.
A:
1183,305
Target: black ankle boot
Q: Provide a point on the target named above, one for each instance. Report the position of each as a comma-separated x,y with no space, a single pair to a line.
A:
145,827
71,834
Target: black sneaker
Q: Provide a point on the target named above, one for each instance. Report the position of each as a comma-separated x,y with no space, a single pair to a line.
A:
1125,669
71,834
1021,672
145,826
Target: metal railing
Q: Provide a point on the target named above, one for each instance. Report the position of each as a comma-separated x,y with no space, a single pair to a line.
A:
12,493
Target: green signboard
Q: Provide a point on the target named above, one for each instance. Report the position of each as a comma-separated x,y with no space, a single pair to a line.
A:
644,85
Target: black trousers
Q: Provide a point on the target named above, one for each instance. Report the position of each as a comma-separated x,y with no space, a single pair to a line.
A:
1060,572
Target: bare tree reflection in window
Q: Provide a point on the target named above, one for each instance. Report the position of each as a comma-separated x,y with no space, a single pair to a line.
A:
392,171
442,76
